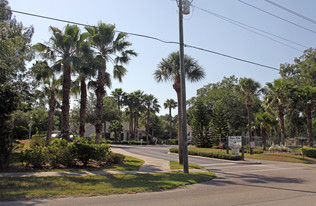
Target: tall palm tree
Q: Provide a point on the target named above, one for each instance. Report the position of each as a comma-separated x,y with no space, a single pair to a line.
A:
248,87
169,70
170,104
64,45
308,96
151,104
277,95
44,75
85,71
267,122
108,47
129,100
118,95
138,108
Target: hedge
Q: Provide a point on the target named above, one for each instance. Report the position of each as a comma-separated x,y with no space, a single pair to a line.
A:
309,151
211,154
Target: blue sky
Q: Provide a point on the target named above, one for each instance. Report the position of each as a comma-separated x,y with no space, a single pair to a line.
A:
159,18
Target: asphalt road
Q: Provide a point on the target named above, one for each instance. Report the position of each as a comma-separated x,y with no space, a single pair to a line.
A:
248,183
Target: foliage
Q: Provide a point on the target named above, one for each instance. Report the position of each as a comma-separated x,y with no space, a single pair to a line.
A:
14,87
200,124
36,156
172,142
256,150
309,152
115,158
208,153
37,140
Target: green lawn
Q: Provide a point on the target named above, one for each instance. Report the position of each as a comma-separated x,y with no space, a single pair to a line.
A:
175,165
44,187
282,157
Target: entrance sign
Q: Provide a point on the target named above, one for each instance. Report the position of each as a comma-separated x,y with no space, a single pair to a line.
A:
234,141
235,151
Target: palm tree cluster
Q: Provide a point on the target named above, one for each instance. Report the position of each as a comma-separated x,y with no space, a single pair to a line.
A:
83,56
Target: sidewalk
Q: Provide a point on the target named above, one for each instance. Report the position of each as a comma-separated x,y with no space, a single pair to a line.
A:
151,165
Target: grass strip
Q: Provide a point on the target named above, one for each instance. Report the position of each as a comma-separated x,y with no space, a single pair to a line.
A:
282,157
44,187
175,165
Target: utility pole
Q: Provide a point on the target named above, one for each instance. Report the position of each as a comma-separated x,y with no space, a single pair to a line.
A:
183,93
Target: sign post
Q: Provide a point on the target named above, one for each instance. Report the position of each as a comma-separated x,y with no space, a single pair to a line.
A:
235,142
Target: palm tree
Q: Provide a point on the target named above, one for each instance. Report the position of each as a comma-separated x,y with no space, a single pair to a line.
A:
151,104
169,70
44,75
129,101
248,87
107,44
277,94
64,45
308,96
139,108
86,71
118,95
267,122
170,104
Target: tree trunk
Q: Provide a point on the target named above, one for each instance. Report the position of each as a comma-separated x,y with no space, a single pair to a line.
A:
100,92
248,105
52,104
66,102
104,129
177,88
147,125
136,125
170,123
131,119
83,106
281,118
310,137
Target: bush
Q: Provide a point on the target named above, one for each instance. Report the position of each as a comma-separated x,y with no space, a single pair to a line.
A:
61,153
115,158
101,152
211,154
256,150
309,151
84,152
36,156
37,140
172,142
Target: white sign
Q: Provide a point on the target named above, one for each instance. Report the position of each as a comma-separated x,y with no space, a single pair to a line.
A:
235,151
252,145
234,141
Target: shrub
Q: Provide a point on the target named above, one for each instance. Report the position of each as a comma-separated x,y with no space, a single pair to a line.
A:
84,152
309,151
36,156
172,142
37,140
115,158
101,152
20,132
211,154
256,150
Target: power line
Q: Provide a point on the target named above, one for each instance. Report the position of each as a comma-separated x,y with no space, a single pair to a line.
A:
249,28
152,38
292,12
290,22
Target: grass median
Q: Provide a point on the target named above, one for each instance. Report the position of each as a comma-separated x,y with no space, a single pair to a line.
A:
44,187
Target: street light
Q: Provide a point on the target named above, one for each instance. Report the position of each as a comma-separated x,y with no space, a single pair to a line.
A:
184,8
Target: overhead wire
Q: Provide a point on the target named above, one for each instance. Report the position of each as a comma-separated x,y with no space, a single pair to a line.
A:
153,38
249,28
292,12
276,16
